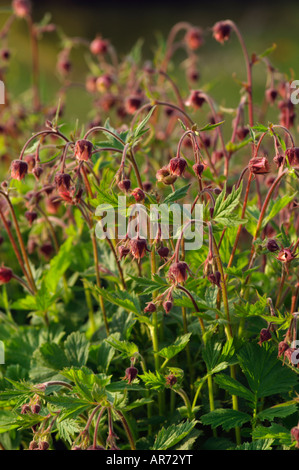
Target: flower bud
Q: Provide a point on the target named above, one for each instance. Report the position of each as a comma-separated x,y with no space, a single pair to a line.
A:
215,278
163,251
138,194
177,166
5,54
293,155
282,348
62,181
124,185
272,246
31,216
285,255
83,150
265,335
104,82
123,251
44,445
99,46
138,248
178,272
198,169
278,159
242,132
167,305
221,31
164,176
6,275
25,409
46,249
131,374
147,186
259,166
33,445
133,103
35,408
194,38
271,95
171,380
31,161
195,99
150,308
19,169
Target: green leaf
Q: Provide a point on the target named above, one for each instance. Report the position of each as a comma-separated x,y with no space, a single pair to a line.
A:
210,127
141,126
154,381
169,437
126,348
226,418
51,355
278,411
233,387
224,206
178,194
122,299
76,349
58,266
256,445
179,344
277,206
275,431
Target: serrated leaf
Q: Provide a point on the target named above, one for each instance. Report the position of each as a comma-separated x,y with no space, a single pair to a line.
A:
234,387
226,418
76,349
278,411
167,438
179,344
178,194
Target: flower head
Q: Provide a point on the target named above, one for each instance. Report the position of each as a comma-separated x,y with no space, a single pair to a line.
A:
221,31
5,275
177,166
259,165
265,335
138,247
83,150
194,38
178,272
19,169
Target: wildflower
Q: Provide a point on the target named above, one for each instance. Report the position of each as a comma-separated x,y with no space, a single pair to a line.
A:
221,31
195,99
150,308
215,278
19,169
178,272
285,255
282,348
104,82
62,181
265,335
164,176
123,251
138,247
124,185
259,166
242,132
99,46
167,305
194,38
83,150
198,169
278,159
37,172
271,95
131,374
133,103
33,445
293,155
138,194
295,435
163,252
177,166
6,275
43,445
171,380
272,246
31,216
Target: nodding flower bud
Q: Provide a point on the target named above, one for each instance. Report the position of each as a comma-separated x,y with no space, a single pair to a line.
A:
194,38
19,169
25,409
272,246
215,278
33,445
242,132
282,348
123,251
131,374
221,31
104,82
31,161
278,159
164,176
167,305
259,166
37,172
150,308
21,8
178,272
64,65
198,169
147,186
138,247
293,155
195,99
44,445
163,252
5,275
83,150
35,409
138,194
265,335
62,181
285,255
99,46
5,54
177,166
171,380
133,103
124,185
271,95
31,216
46,249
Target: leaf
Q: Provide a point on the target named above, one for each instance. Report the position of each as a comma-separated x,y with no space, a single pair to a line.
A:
122,299
76,349
154,381
141,126
225,206
178,194
52,356
256,445
67,429
58,266
126,348
233,387
226,418
266,376
169,437
179,344
210,127
278,411
277,206
275,431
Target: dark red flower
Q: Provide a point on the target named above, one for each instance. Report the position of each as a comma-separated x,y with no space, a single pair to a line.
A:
215,278
221,31
195,99
44,445
33,445
37,172
178,272
99,46
271,95
171,380
83,150
198,169
21,8
124,185
150,308
131,374
177,166
164,176
62,181
282,348
5,275
132,103
194,38
31,216
138,194
272,246
167,305
19,169
104,82
123,251
163,251
138,247
293,155
285,255
265,335
259,165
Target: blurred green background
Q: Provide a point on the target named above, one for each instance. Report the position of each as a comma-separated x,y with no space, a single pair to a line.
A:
124,22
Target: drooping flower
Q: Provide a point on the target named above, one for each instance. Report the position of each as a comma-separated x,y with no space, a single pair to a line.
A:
19,169
259,165
83,150
221,31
